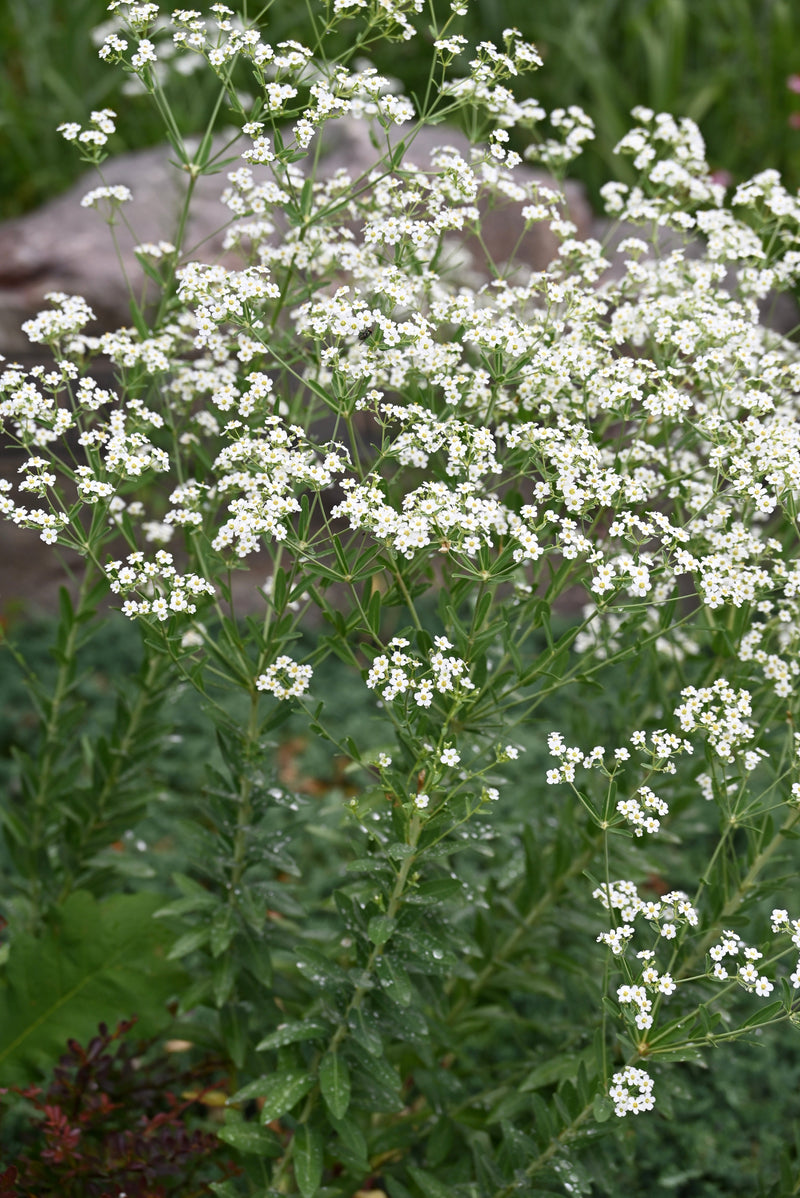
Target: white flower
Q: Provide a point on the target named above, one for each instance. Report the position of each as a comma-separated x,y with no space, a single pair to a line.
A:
285,678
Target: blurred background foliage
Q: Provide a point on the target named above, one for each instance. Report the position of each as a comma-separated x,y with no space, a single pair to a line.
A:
724,63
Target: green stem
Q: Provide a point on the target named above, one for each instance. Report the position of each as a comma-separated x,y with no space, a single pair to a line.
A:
361,989
245,812
568,1133
54,743
509,945
121,754
743,889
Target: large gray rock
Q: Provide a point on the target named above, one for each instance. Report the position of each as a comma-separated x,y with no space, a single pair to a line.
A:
64,247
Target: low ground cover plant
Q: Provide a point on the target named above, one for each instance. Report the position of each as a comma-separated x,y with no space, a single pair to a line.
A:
531,592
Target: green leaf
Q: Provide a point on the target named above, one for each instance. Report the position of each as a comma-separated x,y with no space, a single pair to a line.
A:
395,981
307,1160
222,928
687,1053
764,1015
284,1089
376,1083
380,928
602,1107
334,1082
187,943
430,1185
225,1189
362,1030
374,613
234,1036
96,962
280,1092
224,978
551,1071
292,1033
352,1139
249,1137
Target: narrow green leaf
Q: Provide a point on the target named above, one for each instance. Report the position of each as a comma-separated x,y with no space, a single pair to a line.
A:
222,928
431,1186
308,1160
334,1082
188,943
234,1033
363,1031
550,1071
395,981
249,1137
764,1015
225,1189
687,1053
352,1139
280,1091
224,977
293,1033
374,613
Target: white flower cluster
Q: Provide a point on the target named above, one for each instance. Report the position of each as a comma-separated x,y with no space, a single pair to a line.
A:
657,749
165,592
220,296
732,945
263,471
285,678
631,1091
781,922
455,519
48,524
720,712
95,137
574,129
667,913
71,313
636,994
670,154
636,812
118,194
398,673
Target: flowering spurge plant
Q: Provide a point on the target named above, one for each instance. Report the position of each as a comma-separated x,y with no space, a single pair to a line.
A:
450,974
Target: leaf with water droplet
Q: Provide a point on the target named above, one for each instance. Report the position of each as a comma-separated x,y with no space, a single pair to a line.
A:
249,1137
293,1033
427,953
222,928
334,1082
280,1092
307,1160
367,1035
380,928
394,980
318,968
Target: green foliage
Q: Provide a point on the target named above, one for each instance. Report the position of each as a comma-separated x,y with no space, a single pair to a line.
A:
96,961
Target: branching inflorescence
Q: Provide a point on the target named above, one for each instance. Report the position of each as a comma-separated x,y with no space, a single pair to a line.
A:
391,416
